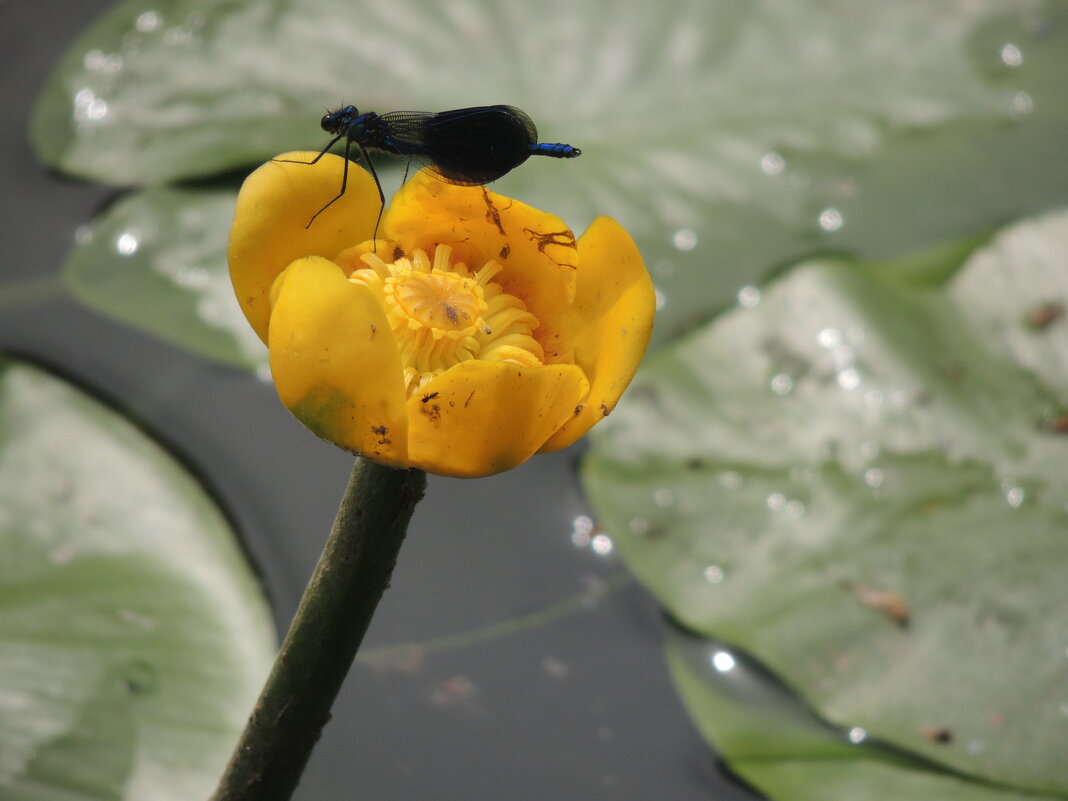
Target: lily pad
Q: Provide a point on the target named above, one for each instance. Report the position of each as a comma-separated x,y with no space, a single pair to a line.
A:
785,750
157,260
727,137
135,637
859,476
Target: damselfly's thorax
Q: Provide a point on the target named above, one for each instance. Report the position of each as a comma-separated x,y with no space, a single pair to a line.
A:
366,129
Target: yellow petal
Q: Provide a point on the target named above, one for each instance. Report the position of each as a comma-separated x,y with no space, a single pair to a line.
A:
335,363
480,418
610,323
273,209
536,249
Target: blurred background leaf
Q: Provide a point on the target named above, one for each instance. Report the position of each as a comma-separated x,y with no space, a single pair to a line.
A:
728,137
135,637
153,260
858,477
778,744
781,747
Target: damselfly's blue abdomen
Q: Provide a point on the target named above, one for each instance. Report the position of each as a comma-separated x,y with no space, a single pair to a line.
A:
557,150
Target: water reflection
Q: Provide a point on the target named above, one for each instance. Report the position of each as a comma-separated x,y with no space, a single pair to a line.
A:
748,297
771,163
1014,495
148,21
873,399
713,574
869,450
731,479
735,687
179,36
88,107
849,378
126,244
601,544
831,219
781,384
874,477
685,239
776,502
99,61
722,661
1011,55
1022,103
829,338
581,531
554,668
664,497
639,525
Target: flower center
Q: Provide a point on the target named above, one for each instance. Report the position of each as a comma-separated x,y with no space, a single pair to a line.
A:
442,314
440,300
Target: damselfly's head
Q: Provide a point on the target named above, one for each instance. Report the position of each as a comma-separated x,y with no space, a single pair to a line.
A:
337,122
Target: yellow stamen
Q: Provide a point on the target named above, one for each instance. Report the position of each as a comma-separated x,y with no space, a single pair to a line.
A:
442,314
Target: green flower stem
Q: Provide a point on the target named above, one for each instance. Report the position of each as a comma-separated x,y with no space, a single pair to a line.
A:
326,632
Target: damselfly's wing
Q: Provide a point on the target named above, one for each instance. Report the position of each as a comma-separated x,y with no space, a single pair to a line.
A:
469,146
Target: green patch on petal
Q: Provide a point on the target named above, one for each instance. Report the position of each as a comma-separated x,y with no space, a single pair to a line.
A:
327,412
859,477
330,414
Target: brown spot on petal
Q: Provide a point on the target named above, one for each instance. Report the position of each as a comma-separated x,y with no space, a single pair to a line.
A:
605,410
504,252
493,215
383,434
398,253
431,412
564,239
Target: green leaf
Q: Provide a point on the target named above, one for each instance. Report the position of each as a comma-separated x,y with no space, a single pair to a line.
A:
781,747
865,780
156,260
134,637
728,137
861,480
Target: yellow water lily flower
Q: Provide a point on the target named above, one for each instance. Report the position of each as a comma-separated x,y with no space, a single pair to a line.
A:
473,333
